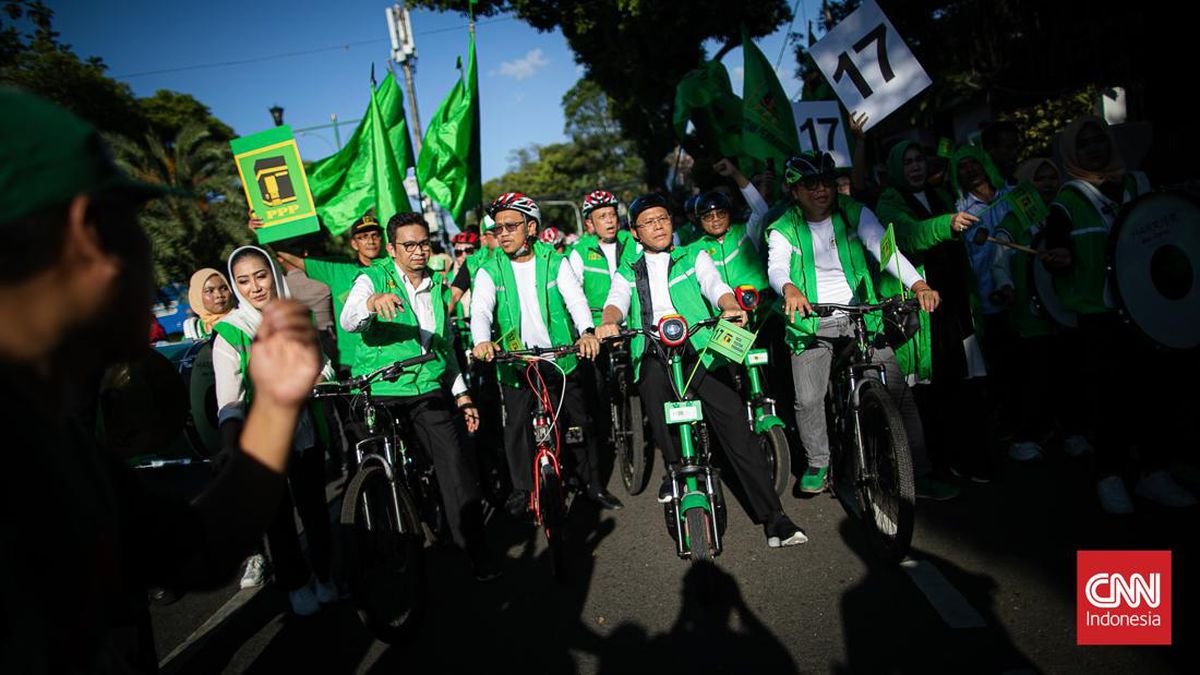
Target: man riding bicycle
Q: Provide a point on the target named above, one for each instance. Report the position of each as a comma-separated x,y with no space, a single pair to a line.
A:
400,310
665,279
529,291
817,253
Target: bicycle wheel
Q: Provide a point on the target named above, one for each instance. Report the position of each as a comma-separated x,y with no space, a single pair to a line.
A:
552,508
699,534
887,490
779,457
384,560
629,431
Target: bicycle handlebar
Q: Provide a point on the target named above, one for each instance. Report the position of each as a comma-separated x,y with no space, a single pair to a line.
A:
652,331
389,372
828,308
522,354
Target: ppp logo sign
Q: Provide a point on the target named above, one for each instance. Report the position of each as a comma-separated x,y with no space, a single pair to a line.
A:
1123,598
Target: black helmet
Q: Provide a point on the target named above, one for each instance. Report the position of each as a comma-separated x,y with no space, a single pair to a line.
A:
712,201
807,164
689,207
644,202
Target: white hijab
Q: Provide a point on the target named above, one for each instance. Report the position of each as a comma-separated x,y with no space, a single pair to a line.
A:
246,317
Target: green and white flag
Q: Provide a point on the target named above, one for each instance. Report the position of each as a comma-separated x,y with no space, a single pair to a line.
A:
1028,205
887,249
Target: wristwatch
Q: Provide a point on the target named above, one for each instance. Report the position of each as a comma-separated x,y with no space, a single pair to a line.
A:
589,331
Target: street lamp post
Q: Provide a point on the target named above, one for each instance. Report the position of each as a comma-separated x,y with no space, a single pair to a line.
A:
276,114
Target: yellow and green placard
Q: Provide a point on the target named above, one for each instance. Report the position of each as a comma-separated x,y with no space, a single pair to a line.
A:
731,341
275,184
1028,205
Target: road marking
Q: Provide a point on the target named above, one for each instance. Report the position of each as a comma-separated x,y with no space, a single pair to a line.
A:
954,609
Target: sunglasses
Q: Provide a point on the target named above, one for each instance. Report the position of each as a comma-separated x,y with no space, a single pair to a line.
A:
811,182
464,251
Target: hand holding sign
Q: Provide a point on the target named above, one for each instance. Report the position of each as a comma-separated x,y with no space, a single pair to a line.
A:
868,64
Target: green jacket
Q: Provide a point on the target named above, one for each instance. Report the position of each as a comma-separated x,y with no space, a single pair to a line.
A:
686,298
802,331
339,276
596,278
386,341
1081,287
736,257
547,262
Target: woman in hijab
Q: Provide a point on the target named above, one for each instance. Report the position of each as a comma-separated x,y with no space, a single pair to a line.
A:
1121,384
210,298
257,282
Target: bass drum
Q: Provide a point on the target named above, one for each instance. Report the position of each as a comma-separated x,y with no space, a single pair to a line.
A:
1045,298
1153,260
160,409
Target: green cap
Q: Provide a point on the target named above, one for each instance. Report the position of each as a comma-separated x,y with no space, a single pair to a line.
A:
49,155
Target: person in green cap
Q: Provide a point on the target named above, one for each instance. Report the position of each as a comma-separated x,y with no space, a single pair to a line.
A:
366,240
82,537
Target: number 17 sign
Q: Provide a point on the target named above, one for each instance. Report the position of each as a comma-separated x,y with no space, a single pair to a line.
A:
868,64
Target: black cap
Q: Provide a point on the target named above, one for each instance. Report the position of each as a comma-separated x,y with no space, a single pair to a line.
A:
365,223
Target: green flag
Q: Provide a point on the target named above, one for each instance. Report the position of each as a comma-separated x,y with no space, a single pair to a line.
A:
449,167
1028,205
705,97
768,128
887,249
368,172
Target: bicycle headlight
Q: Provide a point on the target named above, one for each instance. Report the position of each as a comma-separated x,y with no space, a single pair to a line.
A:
747,297
672,330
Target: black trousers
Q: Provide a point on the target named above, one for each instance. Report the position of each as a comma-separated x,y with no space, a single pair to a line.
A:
440,430
725,413
306,495
518,435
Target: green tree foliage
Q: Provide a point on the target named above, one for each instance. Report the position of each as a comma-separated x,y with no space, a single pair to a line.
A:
194,231
597,156
169,138
636,50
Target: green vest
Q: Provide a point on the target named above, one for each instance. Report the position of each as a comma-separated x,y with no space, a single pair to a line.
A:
1081,287
240,341
547,262
596,278
386,341
1024,319
802,331
688,233
686,298
736,258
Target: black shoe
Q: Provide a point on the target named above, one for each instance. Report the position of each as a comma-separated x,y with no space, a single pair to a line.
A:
485,571
664,491
607,500
781,531
518,503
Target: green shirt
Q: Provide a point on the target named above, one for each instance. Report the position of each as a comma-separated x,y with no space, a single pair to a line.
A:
339,275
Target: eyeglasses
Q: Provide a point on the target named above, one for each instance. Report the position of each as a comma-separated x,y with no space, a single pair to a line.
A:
464,251
410,246
508,228
661,221
811,182
715,215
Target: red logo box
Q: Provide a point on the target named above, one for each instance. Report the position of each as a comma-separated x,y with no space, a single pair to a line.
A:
1123,598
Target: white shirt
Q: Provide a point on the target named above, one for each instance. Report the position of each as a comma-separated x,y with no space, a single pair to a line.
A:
657,266
610,256
534,332
924,199
356,317
831,278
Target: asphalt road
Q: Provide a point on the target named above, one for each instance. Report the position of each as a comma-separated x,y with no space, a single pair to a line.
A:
989,587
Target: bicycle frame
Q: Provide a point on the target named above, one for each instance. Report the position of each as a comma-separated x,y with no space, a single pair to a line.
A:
760,408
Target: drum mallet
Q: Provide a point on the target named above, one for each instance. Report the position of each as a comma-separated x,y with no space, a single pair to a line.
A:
981,237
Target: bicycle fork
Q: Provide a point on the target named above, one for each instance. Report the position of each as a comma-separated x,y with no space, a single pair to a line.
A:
699,480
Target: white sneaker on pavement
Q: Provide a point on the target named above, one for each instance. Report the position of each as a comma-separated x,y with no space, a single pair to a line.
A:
1076,446
1025,451
1160,488
1114,498
255,573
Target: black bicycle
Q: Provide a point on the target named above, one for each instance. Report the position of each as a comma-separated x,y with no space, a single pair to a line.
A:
872,471
389,508
627,429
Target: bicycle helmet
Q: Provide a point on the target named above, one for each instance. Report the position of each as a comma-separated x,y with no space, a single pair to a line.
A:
807,164
515,201
711,201
689,207
598,199
552,236
644,202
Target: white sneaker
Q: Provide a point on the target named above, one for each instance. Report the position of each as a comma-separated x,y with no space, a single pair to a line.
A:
1160,488
1025,451
327,592
1114,498
255,573
1076,446
304,601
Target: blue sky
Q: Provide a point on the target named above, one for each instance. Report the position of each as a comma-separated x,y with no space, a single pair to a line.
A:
522,73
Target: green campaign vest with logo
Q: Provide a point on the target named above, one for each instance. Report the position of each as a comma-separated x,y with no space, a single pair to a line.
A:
802,331
1081,287
596,278
386,341
546,262
735,257
686,298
